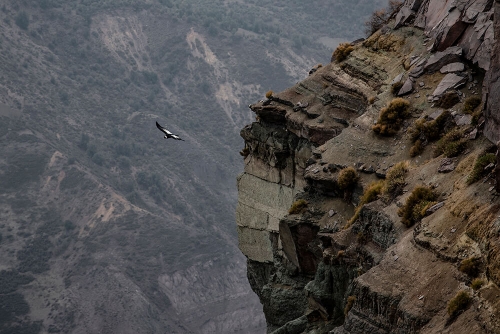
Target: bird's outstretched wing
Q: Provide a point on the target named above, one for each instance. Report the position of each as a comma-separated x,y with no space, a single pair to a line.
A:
163,129
176,137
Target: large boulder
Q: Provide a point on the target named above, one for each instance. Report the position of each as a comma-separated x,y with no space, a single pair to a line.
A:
440,59
452,68
407,87
450,81
465,23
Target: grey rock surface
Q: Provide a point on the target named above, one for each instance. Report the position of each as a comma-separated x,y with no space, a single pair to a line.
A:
407,87
452,68
450,81
440,59
447,165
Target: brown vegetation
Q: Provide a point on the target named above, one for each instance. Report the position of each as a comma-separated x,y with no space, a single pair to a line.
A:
348,177
342,51
448,100
245,152
269,94
452,144
396,87
417,148
470,266
471,104
392,116
476,284
458,303
395,179
416,205
298,206
349,304
424,131
479,166
371,193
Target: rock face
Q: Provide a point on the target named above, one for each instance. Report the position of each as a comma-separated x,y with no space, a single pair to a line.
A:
440,59
345,263
452,68
450,81
492,112
464,23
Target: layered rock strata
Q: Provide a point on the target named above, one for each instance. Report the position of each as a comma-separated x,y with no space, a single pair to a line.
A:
317,269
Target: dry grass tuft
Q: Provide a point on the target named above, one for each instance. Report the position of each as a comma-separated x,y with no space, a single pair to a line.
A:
452,144
414,209
471,103
470,266
395,179
476,284
417,148
371,193
448,100
478,172
349,304
392,117
347,179
396,87
342,52
298,206
458,303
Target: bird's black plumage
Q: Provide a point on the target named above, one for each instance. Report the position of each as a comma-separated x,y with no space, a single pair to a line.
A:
167,133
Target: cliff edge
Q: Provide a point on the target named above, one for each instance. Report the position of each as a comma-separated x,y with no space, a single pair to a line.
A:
369,201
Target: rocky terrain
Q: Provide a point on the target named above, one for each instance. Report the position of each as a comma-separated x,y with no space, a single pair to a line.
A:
369,201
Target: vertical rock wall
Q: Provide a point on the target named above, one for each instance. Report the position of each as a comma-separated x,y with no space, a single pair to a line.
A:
492,112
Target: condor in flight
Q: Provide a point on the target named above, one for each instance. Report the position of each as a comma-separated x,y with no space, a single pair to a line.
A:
167,133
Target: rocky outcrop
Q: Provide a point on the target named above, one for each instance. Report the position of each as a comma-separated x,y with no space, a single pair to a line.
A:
492,88
464,23
335,266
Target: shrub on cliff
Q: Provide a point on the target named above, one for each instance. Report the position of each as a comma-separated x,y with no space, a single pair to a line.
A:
481,163
470,266
448,100
429,130
452,144
395,178
349,304
269,94
371,193
298,206
396,87
245,152
477,283
342,51
416,149
414,209
458,303
471,103
392,116
347,179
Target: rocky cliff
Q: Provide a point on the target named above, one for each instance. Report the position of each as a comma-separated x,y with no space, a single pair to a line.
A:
368,201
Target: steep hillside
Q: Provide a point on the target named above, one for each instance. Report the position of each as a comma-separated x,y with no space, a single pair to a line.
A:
104,226
369,201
